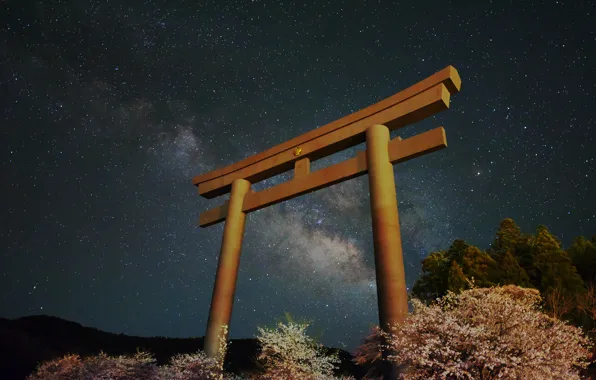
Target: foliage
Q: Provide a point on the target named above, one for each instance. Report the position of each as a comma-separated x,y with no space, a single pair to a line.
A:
369,353
485,333
456,280
288,353
555,267
67,367
583,255
509,271
295,320
474,262
140,366
509,236
434,281
514,258
450,270
192,366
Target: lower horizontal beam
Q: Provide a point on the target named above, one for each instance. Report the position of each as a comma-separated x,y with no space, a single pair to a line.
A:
399,151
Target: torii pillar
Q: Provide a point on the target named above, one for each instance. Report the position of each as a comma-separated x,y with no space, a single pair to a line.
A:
371,125
392,294
222,300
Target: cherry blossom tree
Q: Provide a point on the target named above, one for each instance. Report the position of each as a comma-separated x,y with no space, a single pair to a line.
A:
142,365
288,353
484,333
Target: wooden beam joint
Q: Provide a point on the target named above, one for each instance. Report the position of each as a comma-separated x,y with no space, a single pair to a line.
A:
399,151
301,168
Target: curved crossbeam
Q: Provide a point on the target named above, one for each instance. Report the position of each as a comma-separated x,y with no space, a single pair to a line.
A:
413,104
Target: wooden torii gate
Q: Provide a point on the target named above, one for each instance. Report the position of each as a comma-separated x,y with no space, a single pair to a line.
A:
371,125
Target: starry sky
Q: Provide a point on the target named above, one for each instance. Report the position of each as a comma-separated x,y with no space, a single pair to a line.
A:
110,108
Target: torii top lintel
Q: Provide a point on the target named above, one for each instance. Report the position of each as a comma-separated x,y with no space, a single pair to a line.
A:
413,104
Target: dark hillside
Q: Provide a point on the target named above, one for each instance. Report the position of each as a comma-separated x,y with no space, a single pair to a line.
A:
26,341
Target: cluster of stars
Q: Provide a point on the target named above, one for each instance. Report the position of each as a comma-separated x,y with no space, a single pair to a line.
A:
110,109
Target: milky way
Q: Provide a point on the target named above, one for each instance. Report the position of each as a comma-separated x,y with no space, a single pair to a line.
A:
109,110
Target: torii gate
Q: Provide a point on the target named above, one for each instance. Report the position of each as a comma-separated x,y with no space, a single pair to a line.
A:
371,125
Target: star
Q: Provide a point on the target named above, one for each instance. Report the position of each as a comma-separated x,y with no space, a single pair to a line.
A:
109,112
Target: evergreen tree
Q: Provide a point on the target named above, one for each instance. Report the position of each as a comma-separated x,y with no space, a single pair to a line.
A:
478,265
583,256
509,236
508,271
554,266
440,274
432,283
513,254
457,281
457,250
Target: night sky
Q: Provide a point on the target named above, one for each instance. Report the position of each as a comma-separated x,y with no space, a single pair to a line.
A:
108,109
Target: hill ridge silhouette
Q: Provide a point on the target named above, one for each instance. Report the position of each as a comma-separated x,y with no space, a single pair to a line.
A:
29,340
